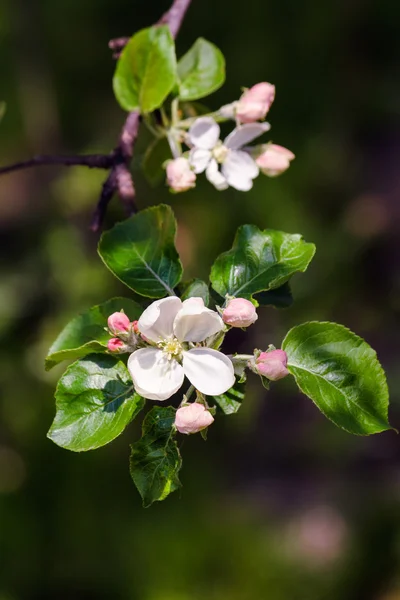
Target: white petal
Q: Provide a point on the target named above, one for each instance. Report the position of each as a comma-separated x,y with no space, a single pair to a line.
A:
156,322
154,376
195,323
239,170
244,134
215,176
199,159
204,133
210,371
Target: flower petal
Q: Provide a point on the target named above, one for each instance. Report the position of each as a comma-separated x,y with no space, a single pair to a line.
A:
210,371
245,134
156,322
199,159
195,323
204,133
239,170
153,375
215,176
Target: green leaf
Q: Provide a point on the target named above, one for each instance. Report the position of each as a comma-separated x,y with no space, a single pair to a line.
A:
231,401
146,70
259,261
280,297
340,372
201,70
95,401
156,155
86,334
141,252
155,459
194,288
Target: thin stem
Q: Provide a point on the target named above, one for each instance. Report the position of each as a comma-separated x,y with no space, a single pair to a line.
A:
93,161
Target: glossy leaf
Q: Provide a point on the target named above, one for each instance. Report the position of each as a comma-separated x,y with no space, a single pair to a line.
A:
146,70
231,401
95,401
86,333
141,252
201,70
340,372
194,288
259,261
155,459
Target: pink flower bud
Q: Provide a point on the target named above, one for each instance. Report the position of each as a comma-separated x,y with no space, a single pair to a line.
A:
239,313
255,103
274,160
272,364
115,345
135,327
118,322
180,176
192,418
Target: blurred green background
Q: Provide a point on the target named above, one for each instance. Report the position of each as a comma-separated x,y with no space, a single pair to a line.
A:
278,504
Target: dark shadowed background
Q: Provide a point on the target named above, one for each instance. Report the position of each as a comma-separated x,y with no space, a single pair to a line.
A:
279,503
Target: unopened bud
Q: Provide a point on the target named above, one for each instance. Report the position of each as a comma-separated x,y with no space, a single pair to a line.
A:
239,313
192,418
272,364
255,103
116,345
135,327
180,176
118,322
274,160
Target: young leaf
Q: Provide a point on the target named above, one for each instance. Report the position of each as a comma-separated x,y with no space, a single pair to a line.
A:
155,459
259,261
201,70
141,252
194,288
86,333
340,372
231,401
95,401
146,70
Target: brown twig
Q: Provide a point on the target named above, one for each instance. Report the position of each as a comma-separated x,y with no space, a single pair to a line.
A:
119,179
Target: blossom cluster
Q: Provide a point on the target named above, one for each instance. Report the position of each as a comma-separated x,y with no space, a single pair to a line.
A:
229,162
174,339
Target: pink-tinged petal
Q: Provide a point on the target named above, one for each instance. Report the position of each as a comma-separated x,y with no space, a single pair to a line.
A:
116,345
239,313
156,322
118,322
239,170
245,134
215,176
204,133
274,160
153,375
272,364
180,176
192,418
195,323
255,103
199,159
210,371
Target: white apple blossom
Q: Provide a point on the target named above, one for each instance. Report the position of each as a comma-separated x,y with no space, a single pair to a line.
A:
174,327
238,168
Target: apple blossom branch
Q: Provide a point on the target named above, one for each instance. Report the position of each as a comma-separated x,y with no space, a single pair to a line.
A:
119,179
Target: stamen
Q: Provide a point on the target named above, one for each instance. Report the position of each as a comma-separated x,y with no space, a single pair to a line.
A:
171,347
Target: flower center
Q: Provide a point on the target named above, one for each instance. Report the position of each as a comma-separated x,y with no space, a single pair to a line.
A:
220,152
171,347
